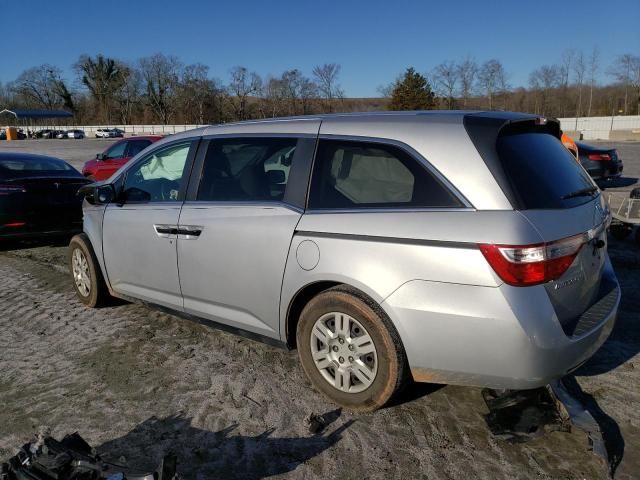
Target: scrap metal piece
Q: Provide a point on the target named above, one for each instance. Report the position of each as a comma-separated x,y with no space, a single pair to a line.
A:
73,458
581,418
519,415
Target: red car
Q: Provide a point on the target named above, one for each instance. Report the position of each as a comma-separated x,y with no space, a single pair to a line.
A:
114,157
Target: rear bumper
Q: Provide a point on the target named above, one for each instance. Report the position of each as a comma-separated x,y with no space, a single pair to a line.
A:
504,337
601,170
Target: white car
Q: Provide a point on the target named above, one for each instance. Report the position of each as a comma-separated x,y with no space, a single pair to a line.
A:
75,134
103,133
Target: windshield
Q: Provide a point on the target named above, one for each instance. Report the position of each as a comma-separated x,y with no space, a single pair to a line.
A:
542,172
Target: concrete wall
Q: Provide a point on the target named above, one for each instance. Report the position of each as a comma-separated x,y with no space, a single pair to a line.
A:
590,128
603,128
129,130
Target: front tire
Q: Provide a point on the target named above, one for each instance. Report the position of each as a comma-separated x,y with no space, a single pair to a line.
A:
350,350
88,282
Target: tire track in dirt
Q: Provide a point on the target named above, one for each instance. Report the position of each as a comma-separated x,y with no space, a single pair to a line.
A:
137,382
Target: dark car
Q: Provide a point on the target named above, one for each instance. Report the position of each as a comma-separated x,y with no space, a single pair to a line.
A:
38,196
601,163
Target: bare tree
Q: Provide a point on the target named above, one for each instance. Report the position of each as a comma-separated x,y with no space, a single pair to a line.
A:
196,92
103,76
129,93
160,74
543,81
565,72
579,71
298,89
243,85
326,77
623,70
492,79
40,86
445,79
467,72
273,98
593,71
635,81
5,94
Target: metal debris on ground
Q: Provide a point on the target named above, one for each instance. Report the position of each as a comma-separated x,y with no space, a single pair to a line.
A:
73,458
315,423
520,415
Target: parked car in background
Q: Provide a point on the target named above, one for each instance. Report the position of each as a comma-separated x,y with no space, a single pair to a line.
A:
47,133
114,157
600,162
75,133
60,134
19,132
447,247
44,133
103,133
116,132
38,196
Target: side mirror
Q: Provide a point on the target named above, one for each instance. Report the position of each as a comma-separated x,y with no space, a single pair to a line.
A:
100,156
98,194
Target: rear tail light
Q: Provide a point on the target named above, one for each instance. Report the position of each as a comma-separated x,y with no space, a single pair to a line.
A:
14,224
8,189
599,157
526,265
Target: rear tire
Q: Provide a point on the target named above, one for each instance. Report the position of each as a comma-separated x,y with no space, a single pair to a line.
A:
88,281
350,350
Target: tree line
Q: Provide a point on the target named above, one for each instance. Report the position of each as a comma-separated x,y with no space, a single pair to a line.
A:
161,89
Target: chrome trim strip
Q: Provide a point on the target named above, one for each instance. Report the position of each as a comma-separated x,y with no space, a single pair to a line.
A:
397,240
202,204
331,211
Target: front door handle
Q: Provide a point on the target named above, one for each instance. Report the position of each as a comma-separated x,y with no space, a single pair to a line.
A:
166,231
190,232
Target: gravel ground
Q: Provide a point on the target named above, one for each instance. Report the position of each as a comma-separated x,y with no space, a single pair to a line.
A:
136,382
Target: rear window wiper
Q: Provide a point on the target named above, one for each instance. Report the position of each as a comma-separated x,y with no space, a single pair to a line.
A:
584,192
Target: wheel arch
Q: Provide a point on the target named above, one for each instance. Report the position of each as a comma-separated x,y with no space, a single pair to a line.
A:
310,290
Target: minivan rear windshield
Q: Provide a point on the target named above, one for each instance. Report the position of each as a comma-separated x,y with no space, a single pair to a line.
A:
542,172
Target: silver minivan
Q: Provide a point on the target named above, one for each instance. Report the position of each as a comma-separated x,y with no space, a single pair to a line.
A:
450,247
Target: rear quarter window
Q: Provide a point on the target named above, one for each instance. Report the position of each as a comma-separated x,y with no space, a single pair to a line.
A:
541,171
353,174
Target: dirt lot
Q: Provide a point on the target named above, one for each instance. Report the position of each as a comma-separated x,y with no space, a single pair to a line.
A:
136,382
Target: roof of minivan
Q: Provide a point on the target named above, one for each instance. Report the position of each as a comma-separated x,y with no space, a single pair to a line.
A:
303,124
356,116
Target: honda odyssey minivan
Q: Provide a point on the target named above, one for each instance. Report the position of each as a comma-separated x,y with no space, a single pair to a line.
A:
464,248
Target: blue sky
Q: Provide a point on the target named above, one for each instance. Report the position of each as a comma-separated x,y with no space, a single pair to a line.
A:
373,41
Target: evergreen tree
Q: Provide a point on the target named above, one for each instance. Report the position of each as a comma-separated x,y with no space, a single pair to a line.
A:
412,92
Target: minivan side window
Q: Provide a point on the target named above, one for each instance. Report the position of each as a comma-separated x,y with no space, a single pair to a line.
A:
158,176
246,169
354,174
